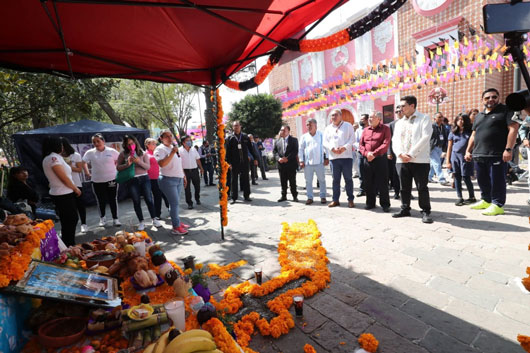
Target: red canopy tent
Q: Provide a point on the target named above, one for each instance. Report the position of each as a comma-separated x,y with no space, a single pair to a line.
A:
166,41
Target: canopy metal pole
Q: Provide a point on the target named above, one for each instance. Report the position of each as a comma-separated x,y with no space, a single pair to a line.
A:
219,161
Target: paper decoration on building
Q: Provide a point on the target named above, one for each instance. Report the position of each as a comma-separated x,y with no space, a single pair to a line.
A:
383,35
340,56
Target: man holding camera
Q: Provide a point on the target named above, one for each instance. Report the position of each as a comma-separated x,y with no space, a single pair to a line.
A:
490,146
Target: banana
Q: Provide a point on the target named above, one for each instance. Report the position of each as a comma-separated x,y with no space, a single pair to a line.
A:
191,333
162,343
214,351
150,348
190,345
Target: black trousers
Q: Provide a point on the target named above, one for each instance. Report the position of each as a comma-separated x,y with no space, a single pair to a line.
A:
158,196
262,167
288,174
81,209
419,172
208,174
106,192
65,206
375,175
360,163
193,177
241,172
253,172
393,175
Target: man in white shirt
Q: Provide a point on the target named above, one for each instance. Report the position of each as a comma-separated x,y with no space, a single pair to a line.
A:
338,140
312,156
191,163
411,145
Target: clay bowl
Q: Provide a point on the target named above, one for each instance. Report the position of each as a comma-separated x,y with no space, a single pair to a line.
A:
62,332
102,259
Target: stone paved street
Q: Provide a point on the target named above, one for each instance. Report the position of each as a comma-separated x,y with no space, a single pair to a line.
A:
446,287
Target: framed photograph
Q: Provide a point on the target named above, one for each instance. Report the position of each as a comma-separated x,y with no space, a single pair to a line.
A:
48,280
388,113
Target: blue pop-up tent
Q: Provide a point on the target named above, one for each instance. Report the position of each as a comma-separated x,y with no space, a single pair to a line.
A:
29,145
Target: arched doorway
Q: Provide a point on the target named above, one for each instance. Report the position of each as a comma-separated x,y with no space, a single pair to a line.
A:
347,116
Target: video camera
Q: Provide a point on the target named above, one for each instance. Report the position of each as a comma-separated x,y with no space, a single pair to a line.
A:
513,20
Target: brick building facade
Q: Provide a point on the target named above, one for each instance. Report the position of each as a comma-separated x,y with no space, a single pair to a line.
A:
413,31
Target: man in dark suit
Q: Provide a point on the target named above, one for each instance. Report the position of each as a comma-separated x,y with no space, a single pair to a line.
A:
238,147
286,154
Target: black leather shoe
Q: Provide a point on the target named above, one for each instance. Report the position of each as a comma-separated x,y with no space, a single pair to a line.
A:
254,183
248,199
265,179
361,193
369,207
190,207
283,198
396,197
198,202
426,218
295,199
386,209
232,202
402,213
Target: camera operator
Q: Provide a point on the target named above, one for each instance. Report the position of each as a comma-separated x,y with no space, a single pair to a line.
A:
524,135
491,147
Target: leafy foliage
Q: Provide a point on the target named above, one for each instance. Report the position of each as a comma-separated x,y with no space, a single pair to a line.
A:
259,114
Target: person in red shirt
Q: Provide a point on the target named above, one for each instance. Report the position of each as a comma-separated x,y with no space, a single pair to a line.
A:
373,147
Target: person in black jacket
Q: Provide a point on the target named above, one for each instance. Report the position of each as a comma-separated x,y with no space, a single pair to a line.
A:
18,188
286,154
238,146
438,148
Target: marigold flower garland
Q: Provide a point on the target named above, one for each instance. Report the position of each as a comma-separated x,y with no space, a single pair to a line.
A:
368,342
524,341
301,255
222,271
262,74
223,165
309,348
14,265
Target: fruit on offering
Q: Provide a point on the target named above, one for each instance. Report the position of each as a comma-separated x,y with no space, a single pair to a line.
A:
162,343
129,248
190,343
181,287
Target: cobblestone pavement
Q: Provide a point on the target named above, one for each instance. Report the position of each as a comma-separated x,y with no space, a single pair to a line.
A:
449,287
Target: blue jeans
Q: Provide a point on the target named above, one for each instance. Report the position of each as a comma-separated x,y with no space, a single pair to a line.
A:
342,166
491,178
436,164
172,188
309,170
141,186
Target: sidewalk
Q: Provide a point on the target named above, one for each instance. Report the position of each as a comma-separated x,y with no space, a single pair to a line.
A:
444,287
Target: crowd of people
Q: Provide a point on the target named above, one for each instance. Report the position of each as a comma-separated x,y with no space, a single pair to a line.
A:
411,150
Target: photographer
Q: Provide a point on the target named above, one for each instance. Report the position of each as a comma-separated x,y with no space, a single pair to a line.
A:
524,135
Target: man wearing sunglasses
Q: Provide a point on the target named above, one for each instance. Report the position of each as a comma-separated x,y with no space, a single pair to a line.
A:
490,146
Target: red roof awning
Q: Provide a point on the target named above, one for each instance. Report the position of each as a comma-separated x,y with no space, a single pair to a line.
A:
165,41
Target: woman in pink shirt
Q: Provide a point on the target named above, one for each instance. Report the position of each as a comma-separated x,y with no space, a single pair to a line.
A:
154,174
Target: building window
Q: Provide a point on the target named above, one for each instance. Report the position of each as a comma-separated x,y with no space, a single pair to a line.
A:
438,57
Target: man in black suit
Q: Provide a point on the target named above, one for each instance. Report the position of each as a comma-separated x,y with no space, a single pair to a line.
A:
238,147
286,154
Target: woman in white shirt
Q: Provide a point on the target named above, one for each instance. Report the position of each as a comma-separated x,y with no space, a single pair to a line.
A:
172,179
102,161
74,160
62,188
140,184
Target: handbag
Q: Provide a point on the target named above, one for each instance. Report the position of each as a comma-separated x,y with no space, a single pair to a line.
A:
125,175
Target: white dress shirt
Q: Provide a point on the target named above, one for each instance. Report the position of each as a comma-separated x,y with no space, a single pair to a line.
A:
311,150
412,136
189,158
342,135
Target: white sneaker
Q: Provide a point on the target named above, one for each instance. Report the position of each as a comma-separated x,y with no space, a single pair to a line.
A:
102,222
157,223
84,228
141,226
116,222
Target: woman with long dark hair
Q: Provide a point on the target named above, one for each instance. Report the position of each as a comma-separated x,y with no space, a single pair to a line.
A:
140,184
74,160
102,161
456,149
63,191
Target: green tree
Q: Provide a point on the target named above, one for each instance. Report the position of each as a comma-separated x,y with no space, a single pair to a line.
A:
260,114
32,101
168,106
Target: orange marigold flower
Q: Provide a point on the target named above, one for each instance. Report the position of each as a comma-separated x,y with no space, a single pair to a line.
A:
368,342
309,348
